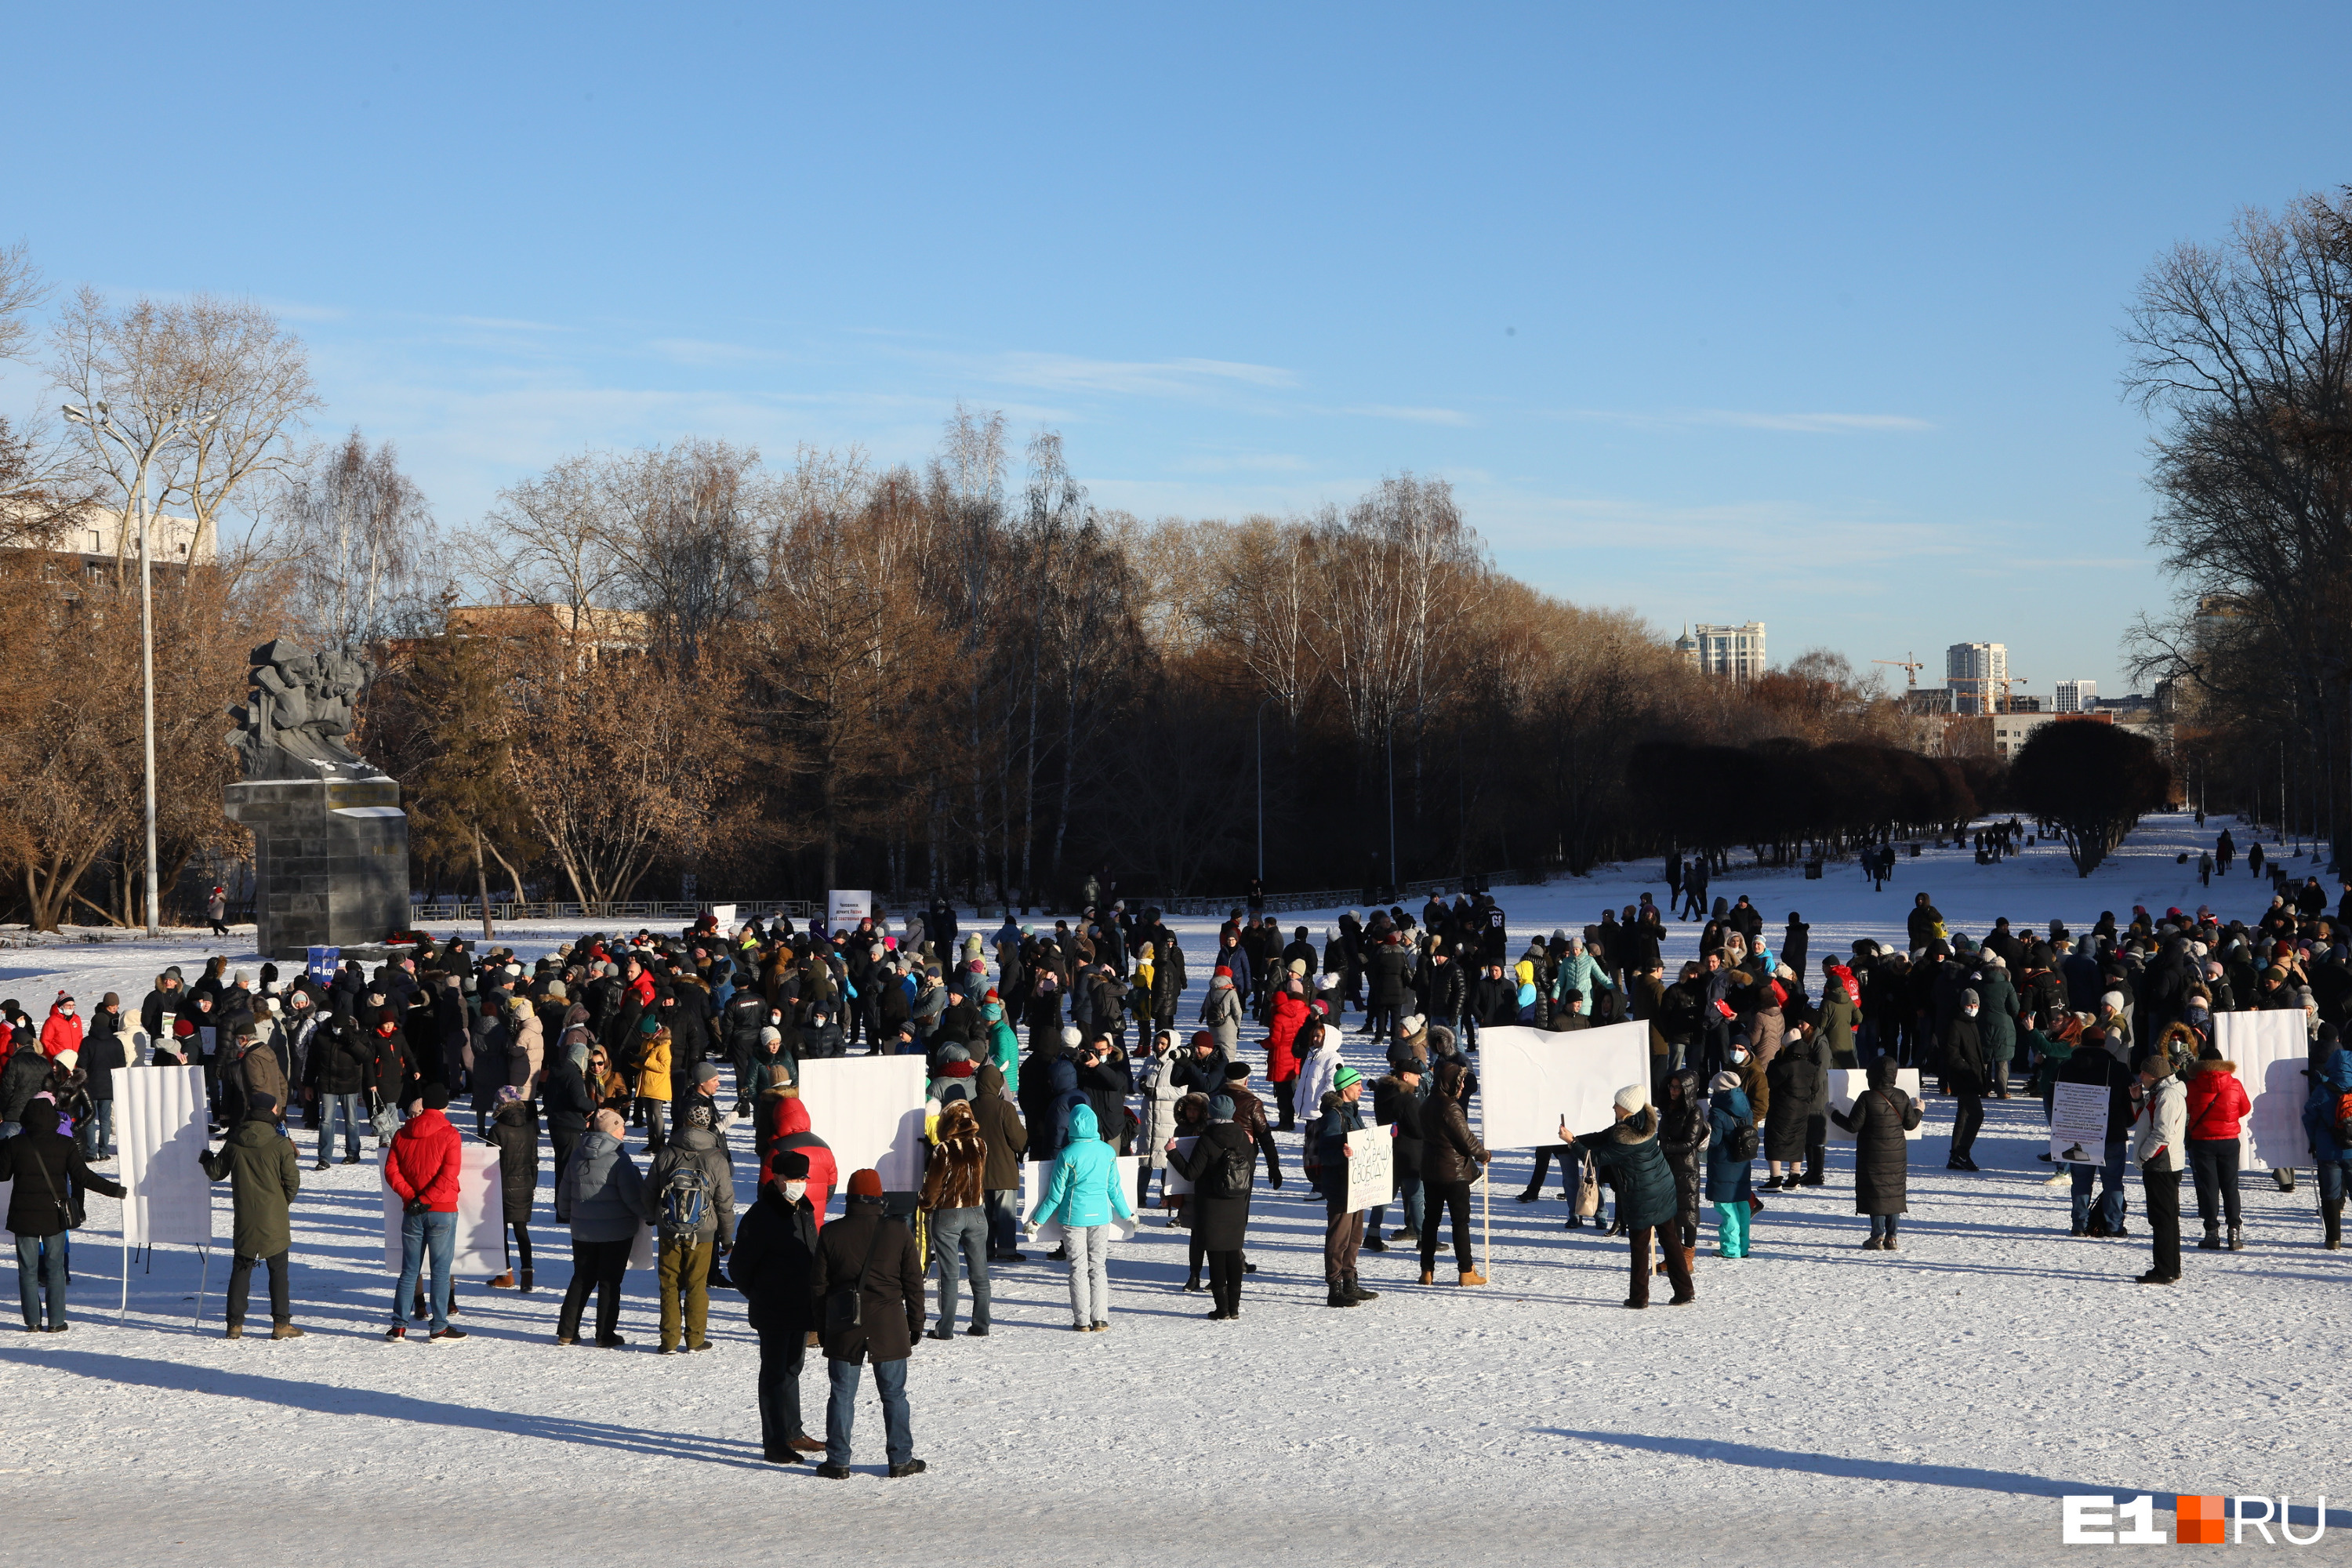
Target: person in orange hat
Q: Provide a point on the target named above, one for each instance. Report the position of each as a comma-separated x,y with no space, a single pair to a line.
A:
869,1294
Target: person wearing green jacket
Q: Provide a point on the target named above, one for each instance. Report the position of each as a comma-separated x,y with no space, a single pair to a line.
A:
1085,1195
264,1178
1646,1195
1003,1046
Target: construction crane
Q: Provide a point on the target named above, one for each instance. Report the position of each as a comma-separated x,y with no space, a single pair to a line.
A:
1910,668
2005,682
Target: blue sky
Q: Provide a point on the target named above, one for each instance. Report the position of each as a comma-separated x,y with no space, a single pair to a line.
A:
1804,314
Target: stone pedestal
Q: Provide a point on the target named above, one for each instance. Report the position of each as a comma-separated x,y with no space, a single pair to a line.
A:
330,860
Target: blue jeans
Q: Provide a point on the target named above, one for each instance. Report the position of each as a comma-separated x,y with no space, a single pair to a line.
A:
1004,1227
2110,1177
961,1233
349,1104
2333,1174
41,1265
841,1410
418,1233
96,1133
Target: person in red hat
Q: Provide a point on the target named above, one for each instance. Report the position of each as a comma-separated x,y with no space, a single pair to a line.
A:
869,1294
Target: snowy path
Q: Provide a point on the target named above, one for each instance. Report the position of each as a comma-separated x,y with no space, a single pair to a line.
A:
1818,1405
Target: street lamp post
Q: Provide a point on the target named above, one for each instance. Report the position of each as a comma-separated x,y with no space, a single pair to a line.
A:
99,421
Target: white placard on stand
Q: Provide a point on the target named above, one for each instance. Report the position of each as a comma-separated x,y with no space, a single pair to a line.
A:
869,1111
481,1214
159,1133
1846,1083
2272,1050
1531,1081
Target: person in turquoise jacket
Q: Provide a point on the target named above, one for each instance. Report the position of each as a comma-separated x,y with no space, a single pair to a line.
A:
1085,1195
1003,1046
1727,1174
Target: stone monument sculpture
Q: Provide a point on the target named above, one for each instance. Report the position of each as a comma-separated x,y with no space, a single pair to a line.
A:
330,840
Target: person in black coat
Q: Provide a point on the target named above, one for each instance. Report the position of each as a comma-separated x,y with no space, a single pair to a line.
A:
1796,1119
1796,943
867,1251
102,1057
514,1131
1397,1102
1220,1209
1965,1068
1879,1119
1105,1080
774,1265
50,1176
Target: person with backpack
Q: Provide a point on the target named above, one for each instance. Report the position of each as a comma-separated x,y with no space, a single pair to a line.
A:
774,1265
1630,1149
1730,1152
1086,1195
1878,1119
689,1198
953,1199
50,1176
265,1178
869,1291
1221,1167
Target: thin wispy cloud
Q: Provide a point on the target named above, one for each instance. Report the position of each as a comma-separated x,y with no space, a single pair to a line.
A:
1147,378
1749,419
702,352
1413,416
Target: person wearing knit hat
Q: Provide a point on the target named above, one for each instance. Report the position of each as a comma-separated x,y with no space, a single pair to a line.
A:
689,1196
264,1176
1221,1165
1967,1071
774,1266
1648,1197
872,1256
1336,1117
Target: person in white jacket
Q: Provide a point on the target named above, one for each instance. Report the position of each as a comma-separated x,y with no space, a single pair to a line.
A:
2162,1152
1318,1069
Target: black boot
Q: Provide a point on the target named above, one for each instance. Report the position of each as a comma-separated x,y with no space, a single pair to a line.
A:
2213,1241
1356,1288
2332,1214
1340,1296
2237,1239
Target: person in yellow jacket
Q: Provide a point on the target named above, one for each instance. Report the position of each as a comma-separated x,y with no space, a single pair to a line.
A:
653,1088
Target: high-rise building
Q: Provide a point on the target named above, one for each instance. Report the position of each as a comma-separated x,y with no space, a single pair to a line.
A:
1975,672
1736,651
2077,696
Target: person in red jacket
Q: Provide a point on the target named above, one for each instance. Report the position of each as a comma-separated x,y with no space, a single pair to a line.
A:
62,1031
421,1166
2216,1106
1281,1038
792,1131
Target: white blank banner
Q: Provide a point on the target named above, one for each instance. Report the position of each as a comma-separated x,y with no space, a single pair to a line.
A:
2272,1050
1531,1081
1847,1083
159,1130
481,1214
869,1111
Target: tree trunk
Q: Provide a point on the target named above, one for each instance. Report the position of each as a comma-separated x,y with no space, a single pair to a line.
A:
482,882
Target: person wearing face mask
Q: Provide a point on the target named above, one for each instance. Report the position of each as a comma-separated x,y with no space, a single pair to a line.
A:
1964,1066
774,1265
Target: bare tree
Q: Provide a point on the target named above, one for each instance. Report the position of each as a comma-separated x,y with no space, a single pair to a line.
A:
688,526
546,539
361,538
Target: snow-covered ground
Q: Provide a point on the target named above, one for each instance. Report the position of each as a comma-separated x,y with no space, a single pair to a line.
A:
1818,1405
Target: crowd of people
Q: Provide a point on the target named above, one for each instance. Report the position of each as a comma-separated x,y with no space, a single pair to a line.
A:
1073,1045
